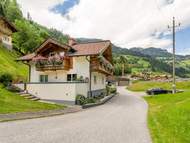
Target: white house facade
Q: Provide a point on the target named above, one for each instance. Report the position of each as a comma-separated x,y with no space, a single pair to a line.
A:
60,72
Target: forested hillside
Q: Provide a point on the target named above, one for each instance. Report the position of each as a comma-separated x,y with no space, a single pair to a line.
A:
30,34
153,52
160,63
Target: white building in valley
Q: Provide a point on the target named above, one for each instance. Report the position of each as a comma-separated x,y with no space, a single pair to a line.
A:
60,72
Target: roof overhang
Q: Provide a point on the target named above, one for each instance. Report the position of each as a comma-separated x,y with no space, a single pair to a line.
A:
11,26
53,42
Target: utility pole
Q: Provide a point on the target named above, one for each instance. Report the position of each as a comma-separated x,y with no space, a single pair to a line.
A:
174,57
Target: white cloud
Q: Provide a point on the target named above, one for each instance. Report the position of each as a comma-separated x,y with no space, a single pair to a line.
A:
126,23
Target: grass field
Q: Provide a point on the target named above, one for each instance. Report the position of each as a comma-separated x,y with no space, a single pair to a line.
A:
144,85
169,118
12,103
169,114
9,65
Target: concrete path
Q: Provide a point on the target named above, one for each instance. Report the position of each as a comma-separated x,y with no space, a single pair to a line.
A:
121,120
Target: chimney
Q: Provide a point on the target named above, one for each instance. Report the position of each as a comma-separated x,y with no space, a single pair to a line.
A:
72,41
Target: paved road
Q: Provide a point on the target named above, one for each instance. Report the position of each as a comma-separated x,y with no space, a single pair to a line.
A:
121,120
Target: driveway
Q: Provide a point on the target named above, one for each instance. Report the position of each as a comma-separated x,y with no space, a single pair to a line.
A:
121,120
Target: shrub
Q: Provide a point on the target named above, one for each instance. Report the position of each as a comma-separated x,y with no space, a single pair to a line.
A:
111,89
6,79
90,100
13,89
80,100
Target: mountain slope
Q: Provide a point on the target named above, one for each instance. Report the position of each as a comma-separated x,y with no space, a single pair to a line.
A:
153,52
9,65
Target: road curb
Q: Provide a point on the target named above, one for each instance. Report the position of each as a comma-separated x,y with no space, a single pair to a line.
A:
39,114
103,101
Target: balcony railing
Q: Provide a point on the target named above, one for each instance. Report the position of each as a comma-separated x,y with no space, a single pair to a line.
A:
102,65
46,65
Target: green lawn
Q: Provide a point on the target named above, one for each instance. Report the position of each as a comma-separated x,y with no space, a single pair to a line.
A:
169,118
169,114
144,85
12,103
9,65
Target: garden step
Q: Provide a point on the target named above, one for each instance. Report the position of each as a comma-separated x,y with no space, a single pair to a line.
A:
23,92
25,95
35,99
29,97
20,93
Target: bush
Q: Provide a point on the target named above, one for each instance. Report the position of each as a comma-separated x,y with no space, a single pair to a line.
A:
90,100
82,100
111,89
13,89
6,79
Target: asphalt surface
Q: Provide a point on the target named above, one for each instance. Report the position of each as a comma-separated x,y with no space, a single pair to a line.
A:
121,120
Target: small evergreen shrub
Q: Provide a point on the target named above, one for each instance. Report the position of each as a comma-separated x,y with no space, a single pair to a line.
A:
6,79
82,100
90,100
111,89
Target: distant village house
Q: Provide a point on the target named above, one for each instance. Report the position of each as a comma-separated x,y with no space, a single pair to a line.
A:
6,31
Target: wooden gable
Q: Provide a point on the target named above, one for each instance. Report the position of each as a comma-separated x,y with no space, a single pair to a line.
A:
107,53
6,27
51,45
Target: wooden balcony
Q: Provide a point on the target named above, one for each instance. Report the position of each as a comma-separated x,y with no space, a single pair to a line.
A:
98,66
64,65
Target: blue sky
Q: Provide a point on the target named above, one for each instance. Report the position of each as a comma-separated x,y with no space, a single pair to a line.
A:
64,7
183,41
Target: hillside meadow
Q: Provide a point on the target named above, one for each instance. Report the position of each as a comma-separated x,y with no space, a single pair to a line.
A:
145,85
8,64
169,118
168,114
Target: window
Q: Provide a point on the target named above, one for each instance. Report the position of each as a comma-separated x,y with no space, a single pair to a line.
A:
71,77
95,80
5,38
74,76
43,78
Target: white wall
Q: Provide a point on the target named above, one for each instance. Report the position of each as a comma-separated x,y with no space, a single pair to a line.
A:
34,74
99,84
62,92
20,86
80,67
82,89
